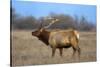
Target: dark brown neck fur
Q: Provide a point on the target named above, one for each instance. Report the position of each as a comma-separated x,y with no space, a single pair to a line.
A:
44,36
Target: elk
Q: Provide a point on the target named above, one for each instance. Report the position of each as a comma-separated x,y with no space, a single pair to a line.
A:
58,39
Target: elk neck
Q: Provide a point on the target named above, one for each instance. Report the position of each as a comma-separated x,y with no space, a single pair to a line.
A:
44,36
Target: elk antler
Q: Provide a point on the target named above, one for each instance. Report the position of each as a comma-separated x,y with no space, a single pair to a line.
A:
53,21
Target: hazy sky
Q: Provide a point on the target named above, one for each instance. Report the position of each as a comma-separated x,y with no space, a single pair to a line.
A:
39,9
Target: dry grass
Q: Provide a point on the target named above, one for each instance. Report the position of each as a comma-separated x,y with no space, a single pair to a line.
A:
28,50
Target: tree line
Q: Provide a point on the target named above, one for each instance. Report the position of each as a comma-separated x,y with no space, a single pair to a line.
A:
65,21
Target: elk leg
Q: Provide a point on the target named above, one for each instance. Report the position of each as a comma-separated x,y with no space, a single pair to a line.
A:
53,51
79,51
61,51
74,51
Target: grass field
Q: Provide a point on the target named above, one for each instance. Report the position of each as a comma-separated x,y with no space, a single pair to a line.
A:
28,50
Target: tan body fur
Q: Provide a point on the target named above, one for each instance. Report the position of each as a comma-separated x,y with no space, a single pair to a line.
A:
61,37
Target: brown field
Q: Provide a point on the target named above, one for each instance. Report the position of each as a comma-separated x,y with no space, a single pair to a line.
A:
28,50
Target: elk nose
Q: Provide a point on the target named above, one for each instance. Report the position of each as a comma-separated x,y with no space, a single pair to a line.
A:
32,33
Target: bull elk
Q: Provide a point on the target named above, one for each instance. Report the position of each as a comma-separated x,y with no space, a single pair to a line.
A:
58,39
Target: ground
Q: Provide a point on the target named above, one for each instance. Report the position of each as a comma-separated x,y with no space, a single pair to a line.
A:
28,50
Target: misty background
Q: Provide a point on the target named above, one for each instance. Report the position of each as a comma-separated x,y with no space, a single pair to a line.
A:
22,20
